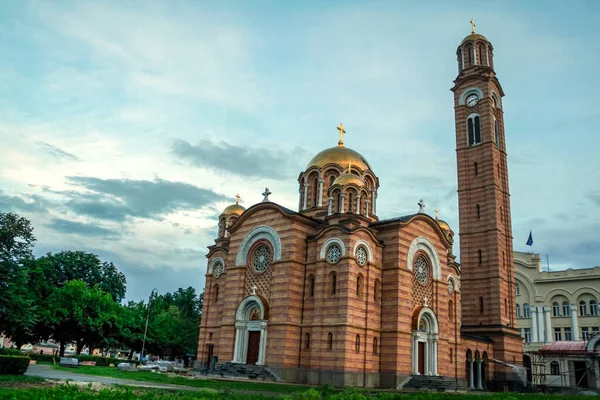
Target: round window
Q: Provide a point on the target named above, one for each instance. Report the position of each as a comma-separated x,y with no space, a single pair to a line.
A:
218,269
334,253
421,270
361,256
262,258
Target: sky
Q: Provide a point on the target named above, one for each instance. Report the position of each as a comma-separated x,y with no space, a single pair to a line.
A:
126,127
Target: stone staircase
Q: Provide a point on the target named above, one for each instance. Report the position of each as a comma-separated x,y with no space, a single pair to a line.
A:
434,384
243,371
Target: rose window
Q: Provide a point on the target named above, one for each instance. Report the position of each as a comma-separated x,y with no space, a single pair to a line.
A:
262,258
421,270
361,256
451,287
334,253
218,269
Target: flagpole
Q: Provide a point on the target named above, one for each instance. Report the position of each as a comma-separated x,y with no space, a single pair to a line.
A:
548,262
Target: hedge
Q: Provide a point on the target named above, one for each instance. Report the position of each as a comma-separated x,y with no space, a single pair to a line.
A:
13,365
10,352
100,361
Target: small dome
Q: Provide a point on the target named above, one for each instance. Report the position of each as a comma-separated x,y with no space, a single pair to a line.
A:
473,37
341,156
234,209
347,179
443,224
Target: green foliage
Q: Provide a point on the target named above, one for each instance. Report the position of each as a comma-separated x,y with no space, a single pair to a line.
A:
10,352
13,365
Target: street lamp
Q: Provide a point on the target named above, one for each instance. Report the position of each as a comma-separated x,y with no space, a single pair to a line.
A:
154,293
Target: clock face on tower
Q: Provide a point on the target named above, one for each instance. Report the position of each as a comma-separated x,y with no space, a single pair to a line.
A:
472,99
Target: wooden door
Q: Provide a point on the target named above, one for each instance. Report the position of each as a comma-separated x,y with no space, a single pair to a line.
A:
211,349
253,347
421,350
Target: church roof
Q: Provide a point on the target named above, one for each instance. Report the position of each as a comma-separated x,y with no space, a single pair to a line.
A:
341,156
564,346
234,209
404,218
347,179
473,37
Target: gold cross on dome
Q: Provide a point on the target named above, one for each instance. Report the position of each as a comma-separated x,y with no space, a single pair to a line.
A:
237,198
342,131
472,26
437,213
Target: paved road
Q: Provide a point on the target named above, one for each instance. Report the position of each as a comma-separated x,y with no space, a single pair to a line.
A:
46,371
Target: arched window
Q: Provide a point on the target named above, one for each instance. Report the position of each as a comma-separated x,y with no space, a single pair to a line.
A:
480,257
359,285
451,355
582,308
377,291
566,309
330,341
307,340
475,168
555,309
482,55
210,335
593,307
517,289
311,285
474,129
315,191
216,292
554,368
518,311
338,199
469,53
357,344
496,133
349,207
478,208
526,311
333,283
450,310
375,346
481,305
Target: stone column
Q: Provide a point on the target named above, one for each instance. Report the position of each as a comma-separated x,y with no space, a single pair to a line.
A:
358,203
305,202
541,332
300,199
434,355
321,180
474,54
534,325
374,197
367,206
262,350
239,343
415,355
574,323
330,206
479,385
471,383
549,332
342,196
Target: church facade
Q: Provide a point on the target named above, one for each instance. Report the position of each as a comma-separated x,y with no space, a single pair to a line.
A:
333,294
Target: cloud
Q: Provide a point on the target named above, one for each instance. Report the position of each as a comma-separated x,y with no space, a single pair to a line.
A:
14,203
79,228
239,160
118,199
594,197
58,153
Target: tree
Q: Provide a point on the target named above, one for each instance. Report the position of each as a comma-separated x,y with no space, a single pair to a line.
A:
16,242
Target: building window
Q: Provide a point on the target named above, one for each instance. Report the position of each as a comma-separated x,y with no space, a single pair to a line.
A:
481,305
334,253
585,334
478,211
557,334
311,285
474,129
450,310
555,309
330,341
375,346
582,308
359,285
377,291
210,336
218,269
527,335
568,336
593,308
307,340
357,344
261,258
518,311
506,306
216,291
475,168
421,269
595,330
480,256
517,289
526,313
496,133
451,355
333,283
566,309
361,256
554,368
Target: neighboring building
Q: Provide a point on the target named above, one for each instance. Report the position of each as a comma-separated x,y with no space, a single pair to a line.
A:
332,294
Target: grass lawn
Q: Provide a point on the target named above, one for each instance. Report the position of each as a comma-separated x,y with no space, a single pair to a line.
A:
200,383
8,379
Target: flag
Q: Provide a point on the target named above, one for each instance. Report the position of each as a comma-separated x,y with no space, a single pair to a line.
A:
530,240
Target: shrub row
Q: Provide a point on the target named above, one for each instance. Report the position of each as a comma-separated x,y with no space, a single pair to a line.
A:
100,361
13,365
10,352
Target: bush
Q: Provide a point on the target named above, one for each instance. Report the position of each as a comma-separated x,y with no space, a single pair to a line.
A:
13,365
10,352
100,361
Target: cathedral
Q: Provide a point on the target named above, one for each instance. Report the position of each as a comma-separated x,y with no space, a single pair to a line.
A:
332,294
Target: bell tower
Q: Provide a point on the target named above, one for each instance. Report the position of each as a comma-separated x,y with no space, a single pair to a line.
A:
486,253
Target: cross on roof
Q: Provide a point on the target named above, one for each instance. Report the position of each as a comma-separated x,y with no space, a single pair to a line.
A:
472,26
421,205
342,131
237,198
266,194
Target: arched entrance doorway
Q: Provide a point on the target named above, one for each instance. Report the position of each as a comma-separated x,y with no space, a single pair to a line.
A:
424,343
250,332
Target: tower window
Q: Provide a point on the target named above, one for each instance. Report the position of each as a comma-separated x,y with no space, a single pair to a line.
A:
480,256
375,346
475,168
478,211
359,285
216,293
307,340
357,344
311,283
377,291
330,341
474,129
333,278
496,133
481,305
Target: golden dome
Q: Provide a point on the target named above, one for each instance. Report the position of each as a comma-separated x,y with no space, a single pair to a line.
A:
347,179
443,224
473,37
341,156
234,209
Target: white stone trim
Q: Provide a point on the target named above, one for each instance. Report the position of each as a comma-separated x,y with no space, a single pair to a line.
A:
463,96
498,103
425,245
431,343
213,262
456,282
328,243
258,233
242,328
366,245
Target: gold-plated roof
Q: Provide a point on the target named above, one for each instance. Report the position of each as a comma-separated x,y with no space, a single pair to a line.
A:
347,179
341,156
473,37
234,209
443,224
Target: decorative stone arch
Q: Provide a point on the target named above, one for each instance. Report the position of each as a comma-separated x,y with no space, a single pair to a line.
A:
366,246
213,262
594,344
463,96
425,340
559,292
259,233
583,290
524,279
495,96
455,281
424,245
328,243
247,320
